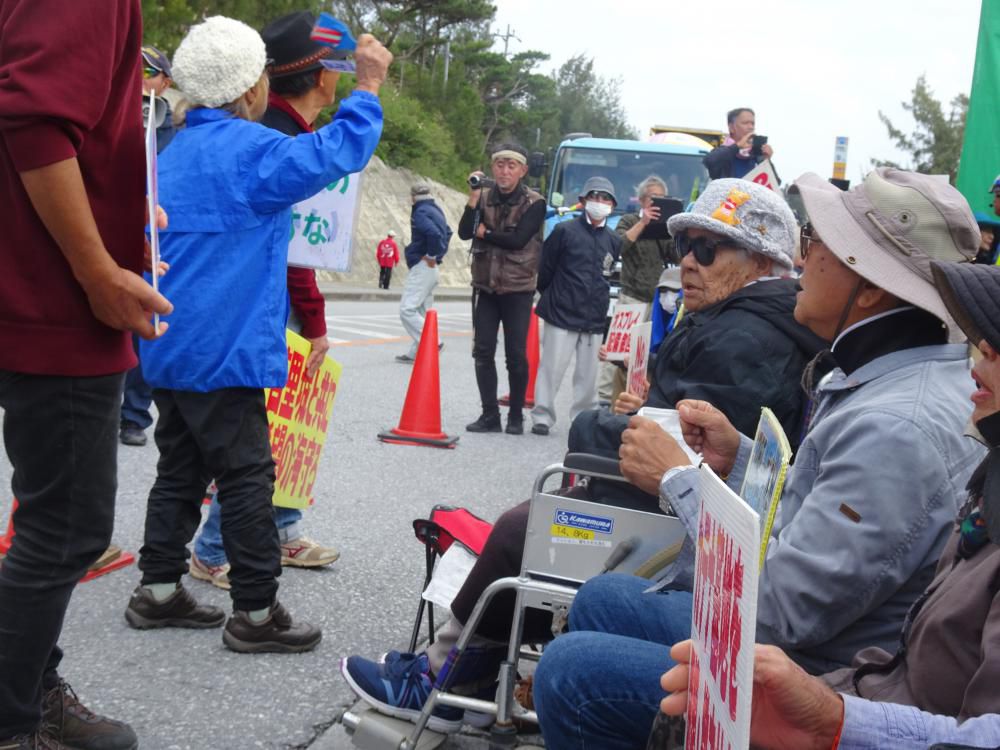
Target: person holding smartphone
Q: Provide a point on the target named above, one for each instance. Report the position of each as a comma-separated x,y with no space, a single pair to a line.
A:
742,150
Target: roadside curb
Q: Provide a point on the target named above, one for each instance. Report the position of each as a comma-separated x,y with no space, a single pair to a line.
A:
333,291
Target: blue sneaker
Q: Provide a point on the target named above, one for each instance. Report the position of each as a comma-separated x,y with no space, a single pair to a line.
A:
398,685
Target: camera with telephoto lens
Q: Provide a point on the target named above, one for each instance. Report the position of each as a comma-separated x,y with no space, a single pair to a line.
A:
477,182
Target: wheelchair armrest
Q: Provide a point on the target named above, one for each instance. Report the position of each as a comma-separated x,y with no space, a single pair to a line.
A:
588,463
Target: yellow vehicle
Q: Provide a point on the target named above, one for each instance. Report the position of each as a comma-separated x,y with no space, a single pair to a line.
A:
713,138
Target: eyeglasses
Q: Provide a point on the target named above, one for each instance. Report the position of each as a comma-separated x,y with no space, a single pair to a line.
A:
150,72
703,248
807,237
600,195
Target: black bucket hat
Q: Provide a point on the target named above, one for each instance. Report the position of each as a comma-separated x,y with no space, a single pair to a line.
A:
290,48
971,292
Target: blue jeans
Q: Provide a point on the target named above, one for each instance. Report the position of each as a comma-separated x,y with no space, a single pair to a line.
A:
208,545
598,686
138,394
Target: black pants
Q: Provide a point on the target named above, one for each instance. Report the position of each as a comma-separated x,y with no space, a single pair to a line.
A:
384,277
220,434
514,311
61,435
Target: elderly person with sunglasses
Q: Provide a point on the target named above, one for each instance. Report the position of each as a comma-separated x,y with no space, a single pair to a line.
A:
876,484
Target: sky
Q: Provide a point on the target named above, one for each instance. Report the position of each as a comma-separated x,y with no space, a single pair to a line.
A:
812,70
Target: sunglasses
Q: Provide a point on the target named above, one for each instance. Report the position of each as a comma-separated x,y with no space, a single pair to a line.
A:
807,237
150,72
703,248
600,195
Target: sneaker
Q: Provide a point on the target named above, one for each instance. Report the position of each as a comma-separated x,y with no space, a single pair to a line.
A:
539,429
38,740
406,359
398,685
515,425
112,553
75,725
217,575
305,553
485,423
179,610
276,634
131,434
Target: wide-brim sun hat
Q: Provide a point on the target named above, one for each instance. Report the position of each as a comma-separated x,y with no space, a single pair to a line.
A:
890,228
971,292
218,61
752,216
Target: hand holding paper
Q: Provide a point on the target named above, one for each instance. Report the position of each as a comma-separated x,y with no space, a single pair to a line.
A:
709,433
647,452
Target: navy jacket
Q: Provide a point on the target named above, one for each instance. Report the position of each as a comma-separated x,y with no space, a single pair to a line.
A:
429,233
575,292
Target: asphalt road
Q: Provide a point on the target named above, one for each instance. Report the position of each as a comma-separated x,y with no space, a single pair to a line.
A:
182,690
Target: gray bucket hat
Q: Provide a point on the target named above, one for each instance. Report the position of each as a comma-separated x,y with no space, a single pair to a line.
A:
600,185
751,215
889,228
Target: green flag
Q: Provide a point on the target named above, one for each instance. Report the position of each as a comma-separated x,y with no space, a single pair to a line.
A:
980,162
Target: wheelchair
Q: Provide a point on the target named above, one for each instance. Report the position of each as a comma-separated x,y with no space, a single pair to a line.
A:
569,541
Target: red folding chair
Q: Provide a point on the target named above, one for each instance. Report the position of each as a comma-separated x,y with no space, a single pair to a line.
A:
446,526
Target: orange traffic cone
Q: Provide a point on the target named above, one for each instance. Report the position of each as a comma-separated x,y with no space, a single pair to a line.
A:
533,350
8,536
420,423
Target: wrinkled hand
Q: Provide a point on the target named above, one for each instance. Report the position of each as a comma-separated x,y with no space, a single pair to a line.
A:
147,251
647,452
123,300
371,63
767,151
627,402
318,347
791,710
707,431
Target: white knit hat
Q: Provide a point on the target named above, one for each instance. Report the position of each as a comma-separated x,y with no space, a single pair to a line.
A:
750,215
219,60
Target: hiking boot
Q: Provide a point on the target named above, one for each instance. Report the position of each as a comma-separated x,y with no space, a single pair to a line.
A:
276,633
539,429
131,434
179,610
305,553
398,685
75,725
485,423
39,740
217,575
515,424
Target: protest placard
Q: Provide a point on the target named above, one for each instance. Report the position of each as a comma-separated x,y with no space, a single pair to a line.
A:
152,201
724,620
763,174
638,359
765,475
625,316
322,232
298,416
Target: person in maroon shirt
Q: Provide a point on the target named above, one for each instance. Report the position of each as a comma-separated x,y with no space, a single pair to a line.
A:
72,190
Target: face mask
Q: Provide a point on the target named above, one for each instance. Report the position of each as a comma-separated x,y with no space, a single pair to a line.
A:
598,211
668,301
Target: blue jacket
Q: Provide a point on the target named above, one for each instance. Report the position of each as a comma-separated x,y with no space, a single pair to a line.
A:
228,186
429,233
886,442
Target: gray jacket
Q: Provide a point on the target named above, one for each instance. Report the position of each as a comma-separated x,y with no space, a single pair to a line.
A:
867,506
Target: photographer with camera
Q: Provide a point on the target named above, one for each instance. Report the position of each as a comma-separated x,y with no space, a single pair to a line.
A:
503,218
742,150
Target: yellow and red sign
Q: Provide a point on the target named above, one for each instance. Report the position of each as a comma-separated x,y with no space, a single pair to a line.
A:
298,416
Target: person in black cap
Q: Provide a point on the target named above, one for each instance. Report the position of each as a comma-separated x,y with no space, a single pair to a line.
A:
304,76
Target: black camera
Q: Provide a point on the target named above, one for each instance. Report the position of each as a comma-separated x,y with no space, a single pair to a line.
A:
477,182
758,142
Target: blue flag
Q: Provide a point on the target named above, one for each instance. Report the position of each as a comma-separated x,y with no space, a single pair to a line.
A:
333,33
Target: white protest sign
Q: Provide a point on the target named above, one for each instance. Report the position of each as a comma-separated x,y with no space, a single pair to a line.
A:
763,174
322,232
153,201
724,619
625,317
638,359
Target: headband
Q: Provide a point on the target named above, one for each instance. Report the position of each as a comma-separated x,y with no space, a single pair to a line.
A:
508,154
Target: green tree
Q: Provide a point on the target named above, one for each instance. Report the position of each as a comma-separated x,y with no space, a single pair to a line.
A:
935,145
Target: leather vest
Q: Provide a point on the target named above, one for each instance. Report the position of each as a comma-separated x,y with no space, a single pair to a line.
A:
495,269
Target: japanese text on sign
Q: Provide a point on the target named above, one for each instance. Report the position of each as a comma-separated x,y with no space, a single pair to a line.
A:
298,416
322,231
763,174
617,344
638,359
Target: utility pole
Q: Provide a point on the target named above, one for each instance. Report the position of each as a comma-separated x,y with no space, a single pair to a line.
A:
447,59
506,39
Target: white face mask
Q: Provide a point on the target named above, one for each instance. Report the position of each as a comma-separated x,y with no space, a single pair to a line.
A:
598,211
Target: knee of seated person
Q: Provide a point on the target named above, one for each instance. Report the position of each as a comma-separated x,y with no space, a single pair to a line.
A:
558,669
595,598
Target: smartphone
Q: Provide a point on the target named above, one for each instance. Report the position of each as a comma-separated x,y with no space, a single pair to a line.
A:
757,143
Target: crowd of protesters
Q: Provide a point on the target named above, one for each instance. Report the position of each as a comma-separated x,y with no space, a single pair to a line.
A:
848,318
